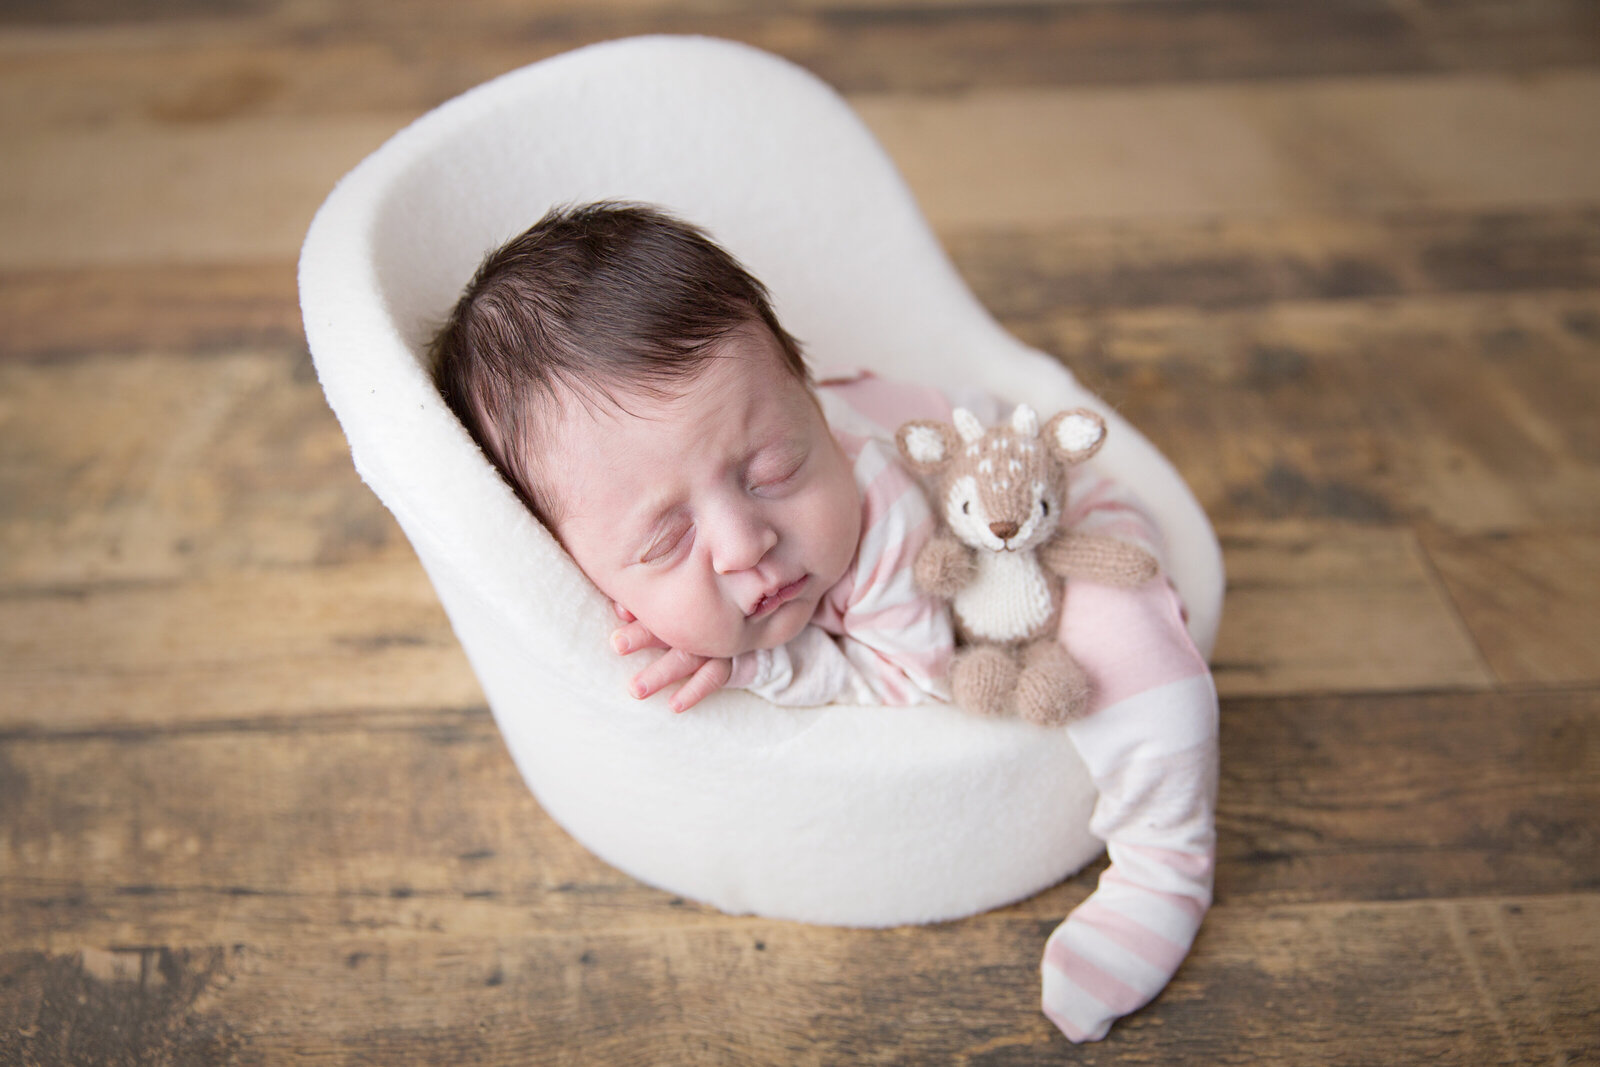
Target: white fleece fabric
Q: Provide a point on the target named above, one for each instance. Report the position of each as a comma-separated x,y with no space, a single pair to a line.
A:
864,816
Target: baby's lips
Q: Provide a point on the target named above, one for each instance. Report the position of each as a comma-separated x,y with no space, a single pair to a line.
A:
787,592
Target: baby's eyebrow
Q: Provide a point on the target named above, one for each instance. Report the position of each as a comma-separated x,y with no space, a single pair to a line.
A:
783,445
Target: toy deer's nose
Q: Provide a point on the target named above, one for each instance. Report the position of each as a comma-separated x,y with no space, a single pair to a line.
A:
1003,530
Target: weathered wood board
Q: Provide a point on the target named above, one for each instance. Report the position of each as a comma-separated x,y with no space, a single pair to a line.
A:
1340,262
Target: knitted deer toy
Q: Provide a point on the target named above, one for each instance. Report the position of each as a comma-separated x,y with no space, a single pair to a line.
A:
1003,558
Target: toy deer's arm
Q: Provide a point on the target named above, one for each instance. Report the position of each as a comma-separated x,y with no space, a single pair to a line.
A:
1098,559
944,566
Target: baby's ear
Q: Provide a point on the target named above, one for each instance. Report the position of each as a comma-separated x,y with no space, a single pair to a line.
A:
1075,435
927,445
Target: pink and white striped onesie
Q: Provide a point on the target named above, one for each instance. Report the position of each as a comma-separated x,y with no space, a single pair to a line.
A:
1149,738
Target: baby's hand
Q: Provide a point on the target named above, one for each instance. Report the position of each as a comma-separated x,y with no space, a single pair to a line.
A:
631,636
705,675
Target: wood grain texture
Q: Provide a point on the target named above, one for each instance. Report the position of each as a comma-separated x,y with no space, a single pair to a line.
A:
344,822
1469,410
1340,262
1529,598
1035,273
215,307
1336,984
1026,276
239,644
196,63
165,465
1337,606
1039,156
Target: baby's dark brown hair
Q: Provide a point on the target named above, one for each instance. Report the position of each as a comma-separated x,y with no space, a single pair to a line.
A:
590,302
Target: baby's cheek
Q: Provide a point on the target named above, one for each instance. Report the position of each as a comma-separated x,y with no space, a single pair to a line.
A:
692,622
843,529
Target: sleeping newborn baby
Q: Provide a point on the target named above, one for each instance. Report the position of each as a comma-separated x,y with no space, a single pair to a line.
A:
630,381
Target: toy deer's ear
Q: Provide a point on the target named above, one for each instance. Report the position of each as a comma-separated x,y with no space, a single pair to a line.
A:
1024,421
927,445
1075,435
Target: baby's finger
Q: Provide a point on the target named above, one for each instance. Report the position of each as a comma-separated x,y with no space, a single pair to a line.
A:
669,668
633,637
712,675
622,613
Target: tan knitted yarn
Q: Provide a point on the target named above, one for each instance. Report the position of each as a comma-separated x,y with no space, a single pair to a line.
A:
1002,558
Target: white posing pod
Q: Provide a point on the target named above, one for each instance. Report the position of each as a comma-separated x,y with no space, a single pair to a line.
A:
837,814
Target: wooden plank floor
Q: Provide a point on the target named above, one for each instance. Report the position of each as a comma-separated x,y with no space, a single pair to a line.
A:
1340,261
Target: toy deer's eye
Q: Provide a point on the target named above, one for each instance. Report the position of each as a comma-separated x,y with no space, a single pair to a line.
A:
966,507
1045,504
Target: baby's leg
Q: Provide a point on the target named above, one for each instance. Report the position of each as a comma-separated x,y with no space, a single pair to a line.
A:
1150,743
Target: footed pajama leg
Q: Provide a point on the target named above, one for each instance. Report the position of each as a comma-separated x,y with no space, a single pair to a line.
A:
1150,743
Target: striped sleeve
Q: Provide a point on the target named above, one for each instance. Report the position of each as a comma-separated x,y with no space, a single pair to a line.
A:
898,637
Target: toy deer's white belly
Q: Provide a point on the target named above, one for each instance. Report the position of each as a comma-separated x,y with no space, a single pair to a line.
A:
1008,600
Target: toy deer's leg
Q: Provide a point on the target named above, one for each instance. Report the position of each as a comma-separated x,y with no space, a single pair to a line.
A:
982,679
1052,688
1150,742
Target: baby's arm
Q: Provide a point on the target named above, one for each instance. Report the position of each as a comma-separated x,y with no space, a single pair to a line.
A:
894,649
812,669
817,667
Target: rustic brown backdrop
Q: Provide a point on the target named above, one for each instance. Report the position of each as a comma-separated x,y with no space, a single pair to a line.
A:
1339,261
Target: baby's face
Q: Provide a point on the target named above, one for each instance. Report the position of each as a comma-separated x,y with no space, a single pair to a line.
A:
718,518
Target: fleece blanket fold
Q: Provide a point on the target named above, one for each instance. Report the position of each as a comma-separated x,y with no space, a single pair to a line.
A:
844,815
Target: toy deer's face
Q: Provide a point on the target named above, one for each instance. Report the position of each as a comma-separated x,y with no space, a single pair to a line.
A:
1002,489
1007,493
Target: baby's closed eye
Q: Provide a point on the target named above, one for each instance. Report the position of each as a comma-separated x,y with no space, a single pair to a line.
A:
668,544
770,474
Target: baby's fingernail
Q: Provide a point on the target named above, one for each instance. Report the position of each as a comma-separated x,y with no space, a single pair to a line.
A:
637,691
619,641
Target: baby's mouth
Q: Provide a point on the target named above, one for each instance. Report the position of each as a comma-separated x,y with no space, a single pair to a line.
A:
775,599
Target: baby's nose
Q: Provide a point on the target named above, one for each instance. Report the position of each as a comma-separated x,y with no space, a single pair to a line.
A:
1003,530
742,545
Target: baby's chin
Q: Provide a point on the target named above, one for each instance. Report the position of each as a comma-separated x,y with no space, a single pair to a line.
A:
785,624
